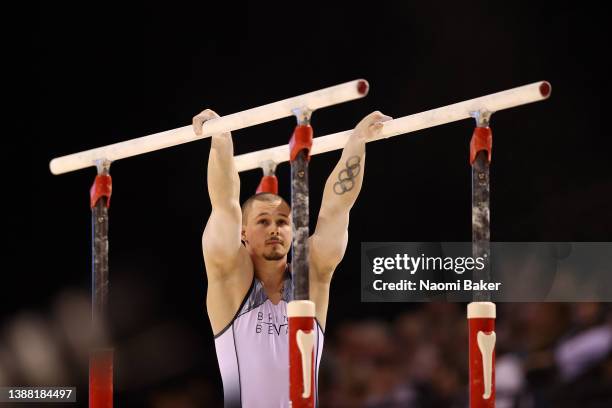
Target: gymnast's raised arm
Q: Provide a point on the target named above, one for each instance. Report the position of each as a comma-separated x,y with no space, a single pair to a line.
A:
227,262
328,243
221,239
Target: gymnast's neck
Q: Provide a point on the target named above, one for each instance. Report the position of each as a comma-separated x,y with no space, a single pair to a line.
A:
270,273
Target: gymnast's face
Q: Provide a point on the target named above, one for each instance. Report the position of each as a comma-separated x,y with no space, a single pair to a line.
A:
267,231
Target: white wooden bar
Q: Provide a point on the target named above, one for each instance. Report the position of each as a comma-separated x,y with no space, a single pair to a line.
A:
266,113
493,103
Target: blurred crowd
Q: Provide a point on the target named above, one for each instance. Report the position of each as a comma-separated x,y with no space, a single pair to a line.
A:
548,355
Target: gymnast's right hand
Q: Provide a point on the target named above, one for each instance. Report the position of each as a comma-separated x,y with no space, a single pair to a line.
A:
200,118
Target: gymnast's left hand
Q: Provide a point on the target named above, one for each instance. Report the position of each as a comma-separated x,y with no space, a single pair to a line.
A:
370,126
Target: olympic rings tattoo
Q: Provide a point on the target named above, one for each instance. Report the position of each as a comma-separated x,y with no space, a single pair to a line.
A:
346,177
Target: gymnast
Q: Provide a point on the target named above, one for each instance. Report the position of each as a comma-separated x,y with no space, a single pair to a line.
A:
249,281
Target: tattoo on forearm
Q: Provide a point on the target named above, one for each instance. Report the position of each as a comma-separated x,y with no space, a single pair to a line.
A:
346,177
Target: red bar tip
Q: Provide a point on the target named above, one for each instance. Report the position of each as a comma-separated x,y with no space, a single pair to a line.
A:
545,89
363,87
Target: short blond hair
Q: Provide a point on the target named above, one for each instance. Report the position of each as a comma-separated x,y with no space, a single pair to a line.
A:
265,197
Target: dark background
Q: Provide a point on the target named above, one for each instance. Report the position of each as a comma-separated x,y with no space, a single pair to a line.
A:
111,71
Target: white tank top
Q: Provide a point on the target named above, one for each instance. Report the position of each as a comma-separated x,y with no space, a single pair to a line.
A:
253,351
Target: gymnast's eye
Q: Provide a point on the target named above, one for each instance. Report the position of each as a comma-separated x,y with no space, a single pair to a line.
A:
263,221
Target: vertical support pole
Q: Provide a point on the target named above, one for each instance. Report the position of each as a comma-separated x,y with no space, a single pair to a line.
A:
301,311
300,145
101,356
481,312
269,182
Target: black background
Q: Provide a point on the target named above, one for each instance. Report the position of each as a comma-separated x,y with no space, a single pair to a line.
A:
108,72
